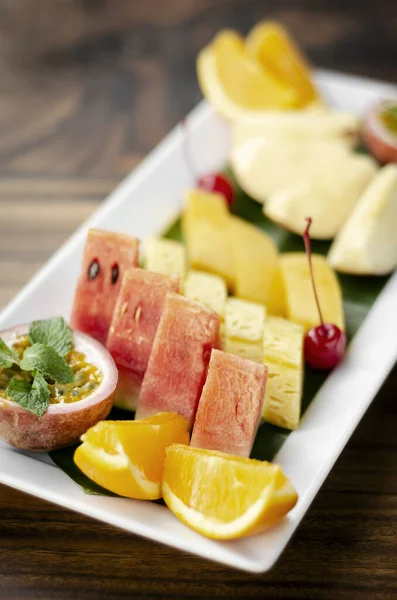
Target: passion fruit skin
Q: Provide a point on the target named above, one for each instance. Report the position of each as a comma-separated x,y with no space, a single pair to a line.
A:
62,424
380,141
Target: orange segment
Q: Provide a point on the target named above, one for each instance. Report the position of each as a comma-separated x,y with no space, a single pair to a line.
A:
276,52
127,457
233,82
224,496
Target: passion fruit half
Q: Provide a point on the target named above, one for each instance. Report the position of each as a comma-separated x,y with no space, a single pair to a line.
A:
380,131
62,424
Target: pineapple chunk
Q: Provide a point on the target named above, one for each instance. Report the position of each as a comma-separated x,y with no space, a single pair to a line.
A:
256,266
300,302
205,223
283,355
208,289
244,329
165,256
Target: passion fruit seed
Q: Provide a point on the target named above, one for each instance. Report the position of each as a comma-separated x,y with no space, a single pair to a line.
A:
324,345
94,269
115,273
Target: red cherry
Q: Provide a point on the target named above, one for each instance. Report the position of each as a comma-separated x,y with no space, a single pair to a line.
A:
215,182
324,344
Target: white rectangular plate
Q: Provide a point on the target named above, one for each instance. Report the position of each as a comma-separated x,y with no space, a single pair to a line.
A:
142,205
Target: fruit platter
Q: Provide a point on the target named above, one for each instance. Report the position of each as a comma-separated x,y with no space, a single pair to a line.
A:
192,362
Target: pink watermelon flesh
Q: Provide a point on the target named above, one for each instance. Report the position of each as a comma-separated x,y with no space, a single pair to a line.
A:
136,318
107,256
230,406
179,359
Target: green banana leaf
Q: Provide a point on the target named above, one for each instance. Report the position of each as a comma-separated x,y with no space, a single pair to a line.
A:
359,293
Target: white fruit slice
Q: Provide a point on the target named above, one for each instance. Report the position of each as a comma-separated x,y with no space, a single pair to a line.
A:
297,124
367,243
327,197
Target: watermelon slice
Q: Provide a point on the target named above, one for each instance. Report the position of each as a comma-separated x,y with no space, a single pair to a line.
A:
178,363
136,317
107,255
230,406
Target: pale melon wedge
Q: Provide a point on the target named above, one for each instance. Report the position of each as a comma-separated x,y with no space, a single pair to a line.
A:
244,329
205,223
300,302
367,243
283,356
208,289
167,257
256,266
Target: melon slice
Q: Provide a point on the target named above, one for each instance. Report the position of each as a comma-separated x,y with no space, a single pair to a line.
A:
230,406
300,302
205,222
135,320
107,255
177,366
207,289
244,329
167,257
283,356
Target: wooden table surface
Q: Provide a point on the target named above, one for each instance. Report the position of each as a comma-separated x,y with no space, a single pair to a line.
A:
87,88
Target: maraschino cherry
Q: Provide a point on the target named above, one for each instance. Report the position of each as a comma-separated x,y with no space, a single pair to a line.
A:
211,182
324,344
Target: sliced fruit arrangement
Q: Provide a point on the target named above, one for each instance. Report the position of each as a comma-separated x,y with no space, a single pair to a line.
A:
197,486
230,405
127,457
207,289
283,356
367,242
107,255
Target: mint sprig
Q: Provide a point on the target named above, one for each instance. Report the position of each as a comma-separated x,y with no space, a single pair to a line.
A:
51,340
55,333
8,356
45,360
30,395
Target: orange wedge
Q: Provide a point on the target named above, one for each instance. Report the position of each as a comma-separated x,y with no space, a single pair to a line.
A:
235,83
273,48
127,457
223,496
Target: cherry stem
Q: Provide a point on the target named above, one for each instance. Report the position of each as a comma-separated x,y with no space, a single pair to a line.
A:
187,151
306,239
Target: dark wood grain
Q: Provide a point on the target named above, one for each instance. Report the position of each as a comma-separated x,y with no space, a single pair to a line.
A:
87,88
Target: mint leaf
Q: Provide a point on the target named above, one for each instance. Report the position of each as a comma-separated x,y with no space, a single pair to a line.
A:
30,396
8,356
46,360
52,332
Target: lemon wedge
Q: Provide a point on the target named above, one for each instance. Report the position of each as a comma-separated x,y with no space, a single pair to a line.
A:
234,83
127,457
223,496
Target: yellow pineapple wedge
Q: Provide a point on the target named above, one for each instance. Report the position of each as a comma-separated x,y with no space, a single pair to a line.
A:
300,302
208,289
165,256
205,223
256,266
244,329
283,356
